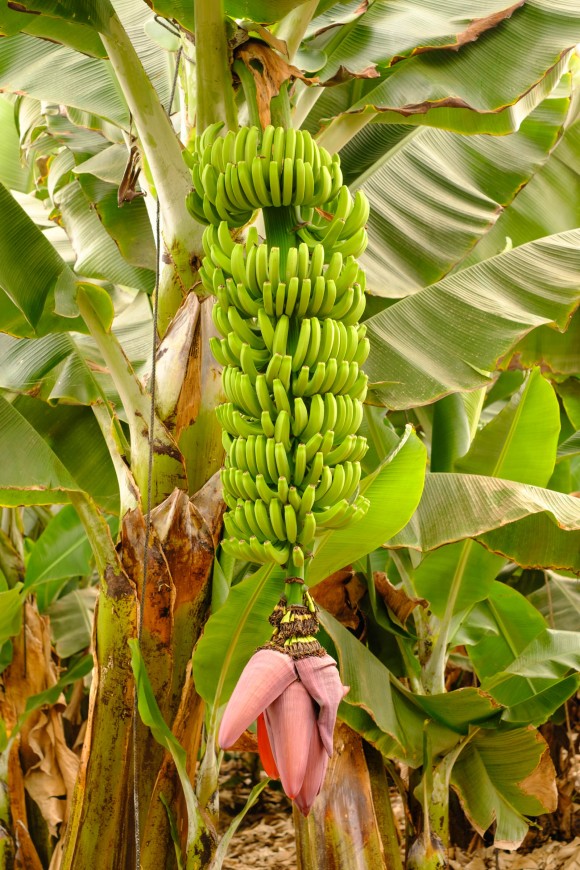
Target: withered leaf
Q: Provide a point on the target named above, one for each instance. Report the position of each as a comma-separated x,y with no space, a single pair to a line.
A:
270,71
127,189
340,595
541,783
396,599
265,34
344,74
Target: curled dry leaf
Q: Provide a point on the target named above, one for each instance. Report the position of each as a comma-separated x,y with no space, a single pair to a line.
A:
340,594
396,599
51,777
270,71
265,34
344,74
44,764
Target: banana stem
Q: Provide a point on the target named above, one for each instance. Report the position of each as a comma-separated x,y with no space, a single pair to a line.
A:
249,88
280,224
215,96
293,593
280,108
160,145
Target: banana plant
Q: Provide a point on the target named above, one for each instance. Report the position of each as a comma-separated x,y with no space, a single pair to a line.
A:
293,221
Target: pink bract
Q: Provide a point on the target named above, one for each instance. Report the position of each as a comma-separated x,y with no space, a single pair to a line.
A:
299,701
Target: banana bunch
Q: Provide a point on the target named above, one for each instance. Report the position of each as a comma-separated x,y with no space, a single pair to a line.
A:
236,174
291,343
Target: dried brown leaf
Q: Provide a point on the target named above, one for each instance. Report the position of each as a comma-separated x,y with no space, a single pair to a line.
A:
208,501
160,592
270,71
396,599
541,783
31,670
176,401
43,764
474,30
26,854
340,595
51,778
265,34
344,74
188,546
127,191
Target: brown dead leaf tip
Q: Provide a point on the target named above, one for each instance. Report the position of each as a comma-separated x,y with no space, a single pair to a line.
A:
397,600
344,74
270,71
541,782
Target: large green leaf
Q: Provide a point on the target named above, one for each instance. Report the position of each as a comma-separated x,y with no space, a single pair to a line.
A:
61,552
508,446
370,690
548,204
60,75
93,13
551,654
108,165
390,719
76,34
511,625
97,254
30,268
135,16
394,492
41,366
181,10
128,226
515,624
539,707
556,352
266,11
49,456
34,475
463,565
535,527
455,90
388,32
537,681
446,337
463,184
60,367
13,174
499,776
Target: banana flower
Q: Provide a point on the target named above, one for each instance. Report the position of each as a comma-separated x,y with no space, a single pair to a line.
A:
295,700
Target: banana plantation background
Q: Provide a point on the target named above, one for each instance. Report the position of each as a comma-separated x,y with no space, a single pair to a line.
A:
452,607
